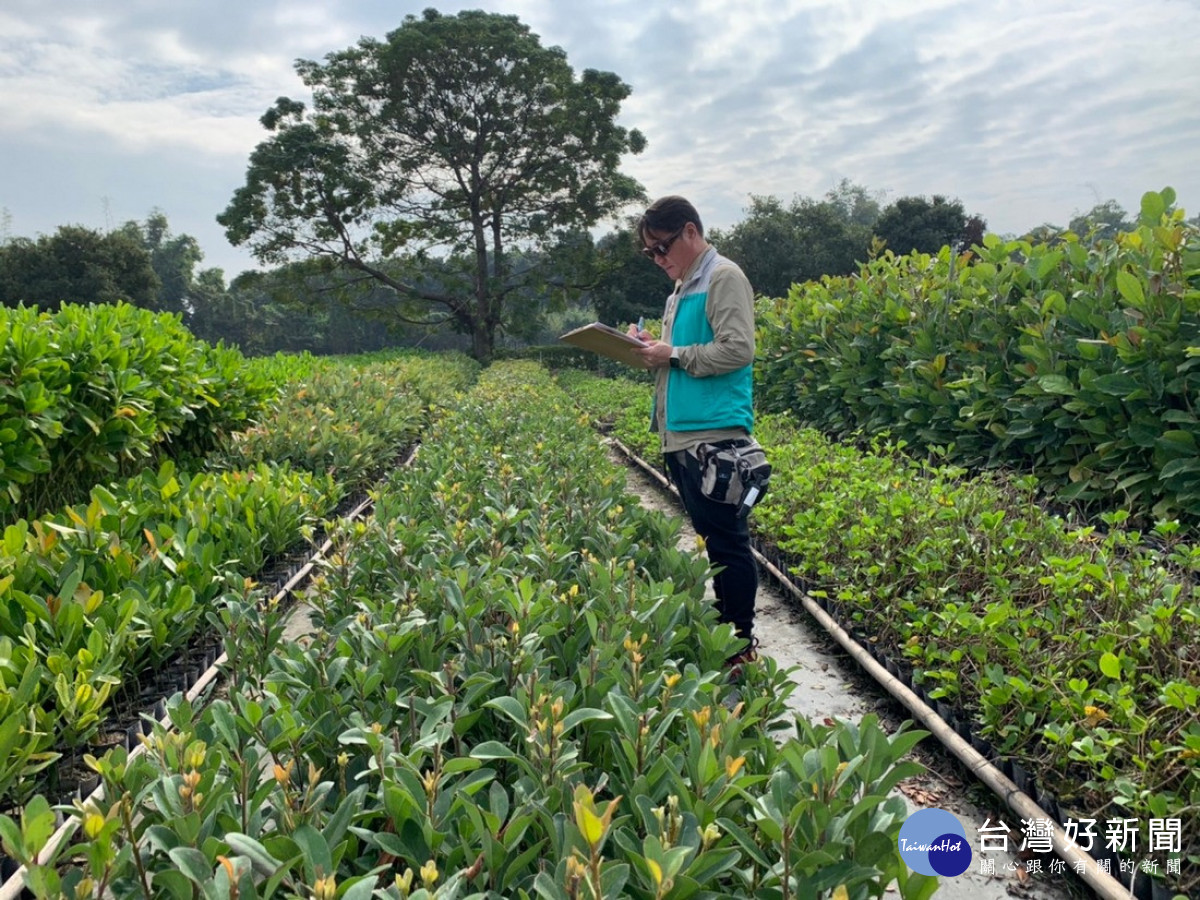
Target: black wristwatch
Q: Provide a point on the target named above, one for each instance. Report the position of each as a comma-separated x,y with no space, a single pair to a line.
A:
674,361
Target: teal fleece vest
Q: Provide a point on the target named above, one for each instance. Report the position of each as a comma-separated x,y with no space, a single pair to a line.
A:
715,401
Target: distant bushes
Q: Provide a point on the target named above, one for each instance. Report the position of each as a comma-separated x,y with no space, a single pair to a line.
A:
347,417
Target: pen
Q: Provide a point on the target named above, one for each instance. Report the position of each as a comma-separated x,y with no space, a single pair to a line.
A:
641,324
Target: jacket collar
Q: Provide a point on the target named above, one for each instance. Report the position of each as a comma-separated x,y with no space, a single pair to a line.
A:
696,268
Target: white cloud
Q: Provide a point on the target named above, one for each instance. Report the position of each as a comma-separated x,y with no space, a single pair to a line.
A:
1025,111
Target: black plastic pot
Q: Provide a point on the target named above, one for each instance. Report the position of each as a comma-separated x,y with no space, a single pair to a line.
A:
963,729
1023,781
1049,803
1143,885
982,747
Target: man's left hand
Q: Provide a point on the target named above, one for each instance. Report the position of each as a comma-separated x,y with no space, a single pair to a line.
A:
656,354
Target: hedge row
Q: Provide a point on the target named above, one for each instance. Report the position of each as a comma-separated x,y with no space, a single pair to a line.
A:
348,417
1070,361
92,393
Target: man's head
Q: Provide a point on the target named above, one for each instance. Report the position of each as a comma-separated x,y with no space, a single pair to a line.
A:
672,235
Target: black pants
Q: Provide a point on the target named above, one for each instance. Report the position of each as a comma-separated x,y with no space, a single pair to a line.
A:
728,541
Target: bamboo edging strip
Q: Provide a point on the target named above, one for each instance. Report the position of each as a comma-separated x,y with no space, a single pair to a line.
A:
1104,884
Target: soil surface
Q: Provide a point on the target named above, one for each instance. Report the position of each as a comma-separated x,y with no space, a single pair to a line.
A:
831,686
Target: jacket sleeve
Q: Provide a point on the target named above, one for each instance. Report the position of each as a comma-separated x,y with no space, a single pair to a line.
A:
730,311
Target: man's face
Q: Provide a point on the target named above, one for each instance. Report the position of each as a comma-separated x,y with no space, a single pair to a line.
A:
669,252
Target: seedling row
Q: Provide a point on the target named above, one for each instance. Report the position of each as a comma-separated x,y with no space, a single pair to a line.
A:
513,689
99,599
1069,653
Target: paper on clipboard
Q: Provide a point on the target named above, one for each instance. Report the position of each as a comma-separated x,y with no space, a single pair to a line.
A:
607,341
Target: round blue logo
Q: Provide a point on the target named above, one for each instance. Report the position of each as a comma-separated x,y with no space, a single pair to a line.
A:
933,842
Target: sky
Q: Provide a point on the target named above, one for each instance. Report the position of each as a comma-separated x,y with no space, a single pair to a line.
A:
1025,112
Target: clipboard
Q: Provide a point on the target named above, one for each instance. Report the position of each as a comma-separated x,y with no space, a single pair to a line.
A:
607,341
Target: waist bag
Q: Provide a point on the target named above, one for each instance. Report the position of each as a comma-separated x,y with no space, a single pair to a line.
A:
734,472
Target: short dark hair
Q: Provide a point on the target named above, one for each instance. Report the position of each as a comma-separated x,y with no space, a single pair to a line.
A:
667,215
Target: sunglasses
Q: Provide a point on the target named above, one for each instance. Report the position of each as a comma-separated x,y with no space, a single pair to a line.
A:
662,248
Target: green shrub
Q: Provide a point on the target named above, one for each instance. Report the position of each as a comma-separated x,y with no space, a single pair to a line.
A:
1068,361
349,417
90,394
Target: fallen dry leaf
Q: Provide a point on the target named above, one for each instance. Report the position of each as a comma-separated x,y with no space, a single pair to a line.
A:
920,795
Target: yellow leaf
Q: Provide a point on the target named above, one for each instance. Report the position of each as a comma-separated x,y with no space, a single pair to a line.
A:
840,893
655,871
93,824
589,824
429,874
93,602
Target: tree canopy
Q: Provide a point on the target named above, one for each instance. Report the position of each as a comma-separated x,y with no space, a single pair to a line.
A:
926,226
76,265
457,136
1102,222
778,246
173,257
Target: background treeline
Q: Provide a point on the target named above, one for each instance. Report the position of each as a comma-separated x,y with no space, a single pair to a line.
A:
311,306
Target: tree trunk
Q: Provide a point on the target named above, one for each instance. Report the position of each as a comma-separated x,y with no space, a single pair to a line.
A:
483,341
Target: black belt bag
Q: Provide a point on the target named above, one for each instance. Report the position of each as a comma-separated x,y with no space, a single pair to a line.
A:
734,472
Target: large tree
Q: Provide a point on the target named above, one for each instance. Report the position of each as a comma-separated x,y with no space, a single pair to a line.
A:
1102,222
77,265
458,136
173,257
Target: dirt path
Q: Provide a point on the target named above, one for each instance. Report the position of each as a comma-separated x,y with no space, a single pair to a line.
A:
831,686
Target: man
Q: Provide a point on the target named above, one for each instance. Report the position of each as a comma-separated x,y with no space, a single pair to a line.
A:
703,392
